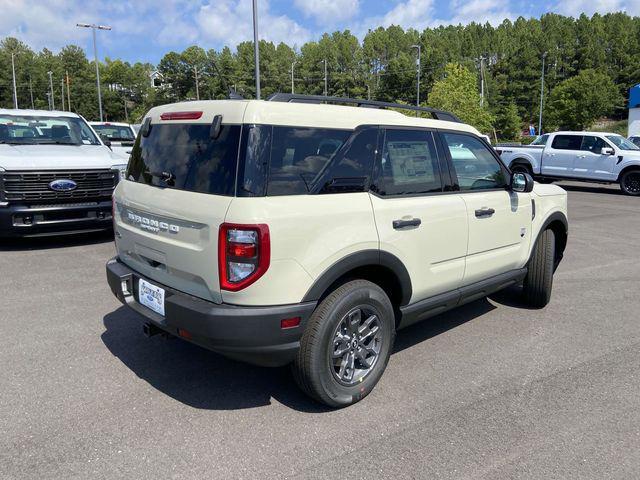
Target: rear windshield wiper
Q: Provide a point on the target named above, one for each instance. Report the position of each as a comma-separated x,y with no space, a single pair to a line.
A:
167,177
58,142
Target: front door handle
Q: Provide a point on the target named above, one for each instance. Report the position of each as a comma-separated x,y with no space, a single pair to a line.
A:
413,222
485,212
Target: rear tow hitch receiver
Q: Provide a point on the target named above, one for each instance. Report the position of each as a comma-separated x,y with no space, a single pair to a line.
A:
149,329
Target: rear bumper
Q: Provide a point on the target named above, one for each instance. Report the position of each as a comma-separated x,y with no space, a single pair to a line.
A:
24,220
249,334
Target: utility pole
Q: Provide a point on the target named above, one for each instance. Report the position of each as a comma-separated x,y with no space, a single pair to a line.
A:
325,77
31,93
544,55
68,93
482,81
368,92
256,47
292,65
62,91
49,100
93,28
195,68
418,68
15,92
126,113
53,102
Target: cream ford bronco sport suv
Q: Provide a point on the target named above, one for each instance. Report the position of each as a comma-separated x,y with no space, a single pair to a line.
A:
297,231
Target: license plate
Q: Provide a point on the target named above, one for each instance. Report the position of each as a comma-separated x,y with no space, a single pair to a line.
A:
151,296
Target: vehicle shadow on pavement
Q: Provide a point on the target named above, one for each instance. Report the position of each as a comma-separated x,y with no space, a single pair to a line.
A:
203,379
195,376
434,326
59,241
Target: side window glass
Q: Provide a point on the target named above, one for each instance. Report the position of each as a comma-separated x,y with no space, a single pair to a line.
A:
356,161
252,172
298,155
567,142
475,165
593,144
409,163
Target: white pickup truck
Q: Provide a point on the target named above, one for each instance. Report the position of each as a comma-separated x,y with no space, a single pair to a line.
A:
587,156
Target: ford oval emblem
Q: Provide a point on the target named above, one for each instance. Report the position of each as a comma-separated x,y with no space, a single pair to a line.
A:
63,185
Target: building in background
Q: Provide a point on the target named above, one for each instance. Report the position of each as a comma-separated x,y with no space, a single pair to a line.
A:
634,110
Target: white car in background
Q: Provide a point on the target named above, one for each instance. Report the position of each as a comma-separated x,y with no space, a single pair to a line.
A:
118,136
56,175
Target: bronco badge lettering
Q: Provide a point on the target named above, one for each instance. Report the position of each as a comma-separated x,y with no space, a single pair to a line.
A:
151,225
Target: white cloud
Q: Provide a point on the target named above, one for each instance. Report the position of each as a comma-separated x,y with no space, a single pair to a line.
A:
328,12
230,22
416,14
479,11
575,7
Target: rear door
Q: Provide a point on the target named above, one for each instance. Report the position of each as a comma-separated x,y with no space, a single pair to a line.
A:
591,163
417,221
499,220
559,157
179,185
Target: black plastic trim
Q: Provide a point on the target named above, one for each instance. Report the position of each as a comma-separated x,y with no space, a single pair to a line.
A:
247,333
364,258
437,304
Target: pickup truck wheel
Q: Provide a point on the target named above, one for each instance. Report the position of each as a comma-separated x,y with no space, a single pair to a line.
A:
630,182
346,345
539,280
521,168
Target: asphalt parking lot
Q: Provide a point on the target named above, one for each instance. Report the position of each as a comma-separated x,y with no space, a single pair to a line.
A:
489,390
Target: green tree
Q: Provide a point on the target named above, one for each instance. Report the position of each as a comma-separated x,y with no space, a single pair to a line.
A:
507,122
458,93
578,101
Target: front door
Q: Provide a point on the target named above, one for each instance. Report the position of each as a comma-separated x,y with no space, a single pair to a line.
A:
425,227
591,163
499,219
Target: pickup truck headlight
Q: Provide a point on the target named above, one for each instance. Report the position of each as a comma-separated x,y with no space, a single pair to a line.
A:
122,169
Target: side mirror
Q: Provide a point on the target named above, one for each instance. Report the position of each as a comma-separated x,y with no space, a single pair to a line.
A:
105,140
607,151
521,182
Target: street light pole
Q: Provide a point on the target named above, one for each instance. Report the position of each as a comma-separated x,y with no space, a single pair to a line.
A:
256,47
62,92
544,55
15,92
325,77
418,65
195,68
94,27
292,64
53,102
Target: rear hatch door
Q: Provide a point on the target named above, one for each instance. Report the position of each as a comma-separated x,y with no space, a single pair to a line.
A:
178,188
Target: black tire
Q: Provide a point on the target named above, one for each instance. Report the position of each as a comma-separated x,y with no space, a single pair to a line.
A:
539,280
315,369
630,182
521,168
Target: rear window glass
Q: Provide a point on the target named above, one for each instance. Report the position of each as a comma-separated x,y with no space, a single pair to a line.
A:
567,142
185,157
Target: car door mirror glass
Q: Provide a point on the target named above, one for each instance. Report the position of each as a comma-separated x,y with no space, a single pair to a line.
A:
521,182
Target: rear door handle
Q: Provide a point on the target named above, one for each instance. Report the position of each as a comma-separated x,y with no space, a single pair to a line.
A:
485,212
414,222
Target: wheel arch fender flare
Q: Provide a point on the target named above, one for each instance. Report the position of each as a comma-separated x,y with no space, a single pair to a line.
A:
558,222
626,168
358,260
520,160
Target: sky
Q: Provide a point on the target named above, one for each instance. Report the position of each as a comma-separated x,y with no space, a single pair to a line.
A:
144,30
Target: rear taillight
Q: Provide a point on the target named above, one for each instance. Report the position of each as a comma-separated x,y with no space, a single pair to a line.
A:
244,253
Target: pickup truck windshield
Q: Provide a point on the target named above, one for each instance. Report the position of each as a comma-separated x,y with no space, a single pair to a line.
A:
622,143
44,130
117,133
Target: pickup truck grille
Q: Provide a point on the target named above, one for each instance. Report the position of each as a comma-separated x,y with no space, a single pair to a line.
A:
33,187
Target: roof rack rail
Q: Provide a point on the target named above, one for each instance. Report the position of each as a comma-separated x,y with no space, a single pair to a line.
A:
295,98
